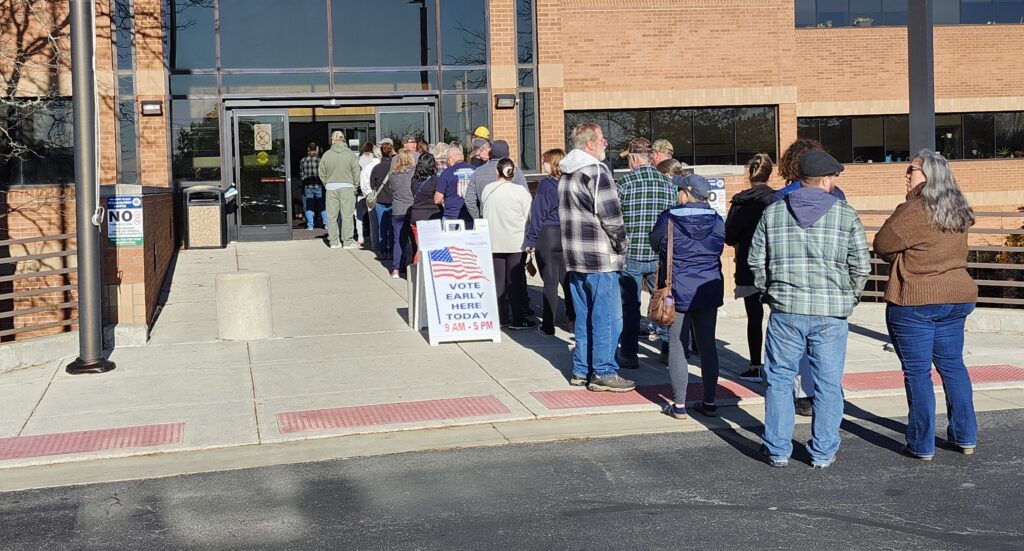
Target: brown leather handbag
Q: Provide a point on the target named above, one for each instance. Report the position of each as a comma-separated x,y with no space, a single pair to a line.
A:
662,309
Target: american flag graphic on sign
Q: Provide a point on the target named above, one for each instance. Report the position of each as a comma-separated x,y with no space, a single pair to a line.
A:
456,263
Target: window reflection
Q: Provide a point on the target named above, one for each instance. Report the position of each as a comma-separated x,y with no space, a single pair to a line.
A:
528,131
860,13
1009,135
273,34
191,38
755,133
463,32
524,31
394,81
714,137
979,136
676,126
897,138
275,83
949,136
195,140
462,113
384,33
46,130
868,145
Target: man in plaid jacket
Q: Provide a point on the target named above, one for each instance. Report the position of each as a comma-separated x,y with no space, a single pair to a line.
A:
594,243
644,193
810,260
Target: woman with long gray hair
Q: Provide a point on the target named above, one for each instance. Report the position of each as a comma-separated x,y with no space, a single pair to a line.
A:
929,296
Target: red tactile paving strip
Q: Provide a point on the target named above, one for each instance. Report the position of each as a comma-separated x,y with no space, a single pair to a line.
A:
886,380
386,414
656,394
45,445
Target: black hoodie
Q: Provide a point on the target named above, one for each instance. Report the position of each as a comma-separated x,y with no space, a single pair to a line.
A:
744,214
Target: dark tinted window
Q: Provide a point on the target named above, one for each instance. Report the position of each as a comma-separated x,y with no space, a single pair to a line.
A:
45,130
807,129
867,140
1008,11
833,13
714,136
864,13
975,11
191,43
392,81
527,131
524,31
195,140
275,83
979,136
463,32
1010,135
273,34
464,79
837,137
193,85
128,162
805,16
676,126
948,136
897,138
755,133
620,127
894,12
946,12
384,33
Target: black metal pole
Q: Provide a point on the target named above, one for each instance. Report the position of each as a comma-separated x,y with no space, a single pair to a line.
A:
424,43
921,75
83,96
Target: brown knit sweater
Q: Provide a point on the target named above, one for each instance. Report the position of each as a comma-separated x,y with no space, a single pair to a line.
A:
929,266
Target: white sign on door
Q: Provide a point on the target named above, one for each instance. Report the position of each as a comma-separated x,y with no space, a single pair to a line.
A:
263,137
458,282
717,196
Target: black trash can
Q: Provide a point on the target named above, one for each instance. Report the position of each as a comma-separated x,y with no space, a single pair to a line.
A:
205,225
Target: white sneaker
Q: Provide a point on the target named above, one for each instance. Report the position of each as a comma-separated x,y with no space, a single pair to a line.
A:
395,275
336,246
352,246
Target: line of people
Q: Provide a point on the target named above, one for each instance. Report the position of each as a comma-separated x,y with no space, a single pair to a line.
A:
801,250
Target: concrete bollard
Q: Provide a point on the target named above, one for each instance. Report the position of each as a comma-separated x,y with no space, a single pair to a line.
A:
243,306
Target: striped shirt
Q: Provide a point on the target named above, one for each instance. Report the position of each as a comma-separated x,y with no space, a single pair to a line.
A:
644,193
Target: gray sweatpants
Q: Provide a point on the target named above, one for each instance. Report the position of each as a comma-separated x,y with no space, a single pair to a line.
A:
704,324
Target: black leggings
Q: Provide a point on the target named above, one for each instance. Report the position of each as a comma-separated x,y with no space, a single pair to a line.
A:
755,335
552,270
509,277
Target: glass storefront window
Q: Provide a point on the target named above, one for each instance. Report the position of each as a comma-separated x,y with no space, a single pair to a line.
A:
384,33
1010,135
894,12
524,31
528,131
868,140
979,136
395,81
195,140
191,36
128,164
464,79
463,32
865,13
462,113
273,34
676,126
275,83
946,12
805,13
1008,11
755,133
193,85
837,137
833,13
975,11
714,136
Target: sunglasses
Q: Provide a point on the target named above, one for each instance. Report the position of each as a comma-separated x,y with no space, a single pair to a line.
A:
912,168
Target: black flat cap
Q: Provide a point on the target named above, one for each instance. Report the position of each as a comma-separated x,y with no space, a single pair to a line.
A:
819,163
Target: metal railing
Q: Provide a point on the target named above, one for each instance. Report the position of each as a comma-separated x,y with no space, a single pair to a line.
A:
8,284
997,269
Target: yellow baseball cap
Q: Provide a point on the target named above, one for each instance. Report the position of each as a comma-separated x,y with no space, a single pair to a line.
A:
482,132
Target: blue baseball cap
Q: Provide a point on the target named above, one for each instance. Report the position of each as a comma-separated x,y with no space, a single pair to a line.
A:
694,184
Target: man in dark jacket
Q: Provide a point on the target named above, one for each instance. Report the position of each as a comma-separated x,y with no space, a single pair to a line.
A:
384,197
697,286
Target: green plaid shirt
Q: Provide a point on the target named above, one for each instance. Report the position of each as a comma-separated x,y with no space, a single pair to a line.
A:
817,271
644,193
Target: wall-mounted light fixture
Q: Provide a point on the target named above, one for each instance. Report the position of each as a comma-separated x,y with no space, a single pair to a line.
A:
152,108
505,101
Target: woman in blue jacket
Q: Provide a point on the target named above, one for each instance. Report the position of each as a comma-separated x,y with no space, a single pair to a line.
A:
544,239
698,235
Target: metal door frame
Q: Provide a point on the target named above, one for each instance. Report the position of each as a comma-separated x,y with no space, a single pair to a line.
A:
235,170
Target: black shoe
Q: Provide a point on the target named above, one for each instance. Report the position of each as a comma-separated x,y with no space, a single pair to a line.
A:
522,325
752,375
804,407
905,452
578,381
705,409
627,363
549,331
611,383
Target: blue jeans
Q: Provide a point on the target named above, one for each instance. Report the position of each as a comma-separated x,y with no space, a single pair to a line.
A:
598,304
313,201
823,339
630,281
922,335
384,226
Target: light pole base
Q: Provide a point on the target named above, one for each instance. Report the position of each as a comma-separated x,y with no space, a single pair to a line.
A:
83,367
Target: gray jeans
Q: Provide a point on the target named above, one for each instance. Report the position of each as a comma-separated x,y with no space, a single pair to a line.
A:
341,202
704,323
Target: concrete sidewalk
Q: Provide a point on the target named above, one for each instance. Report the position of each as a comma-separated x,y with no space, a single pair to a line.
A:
344,362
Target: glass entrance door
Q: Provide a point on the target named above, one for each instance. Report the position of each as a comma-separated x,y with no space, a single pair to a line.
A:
397,121
262,174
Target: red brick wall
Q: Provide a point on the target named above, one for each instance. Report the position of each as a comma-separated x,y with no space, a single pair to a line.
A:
160,245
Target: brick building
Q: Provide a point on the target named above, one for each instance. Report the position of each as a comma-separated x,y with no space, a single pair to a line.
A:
721,79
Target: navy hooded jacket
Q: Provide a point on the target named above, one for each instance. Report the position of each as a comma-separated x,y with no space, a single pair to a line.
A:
698,241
